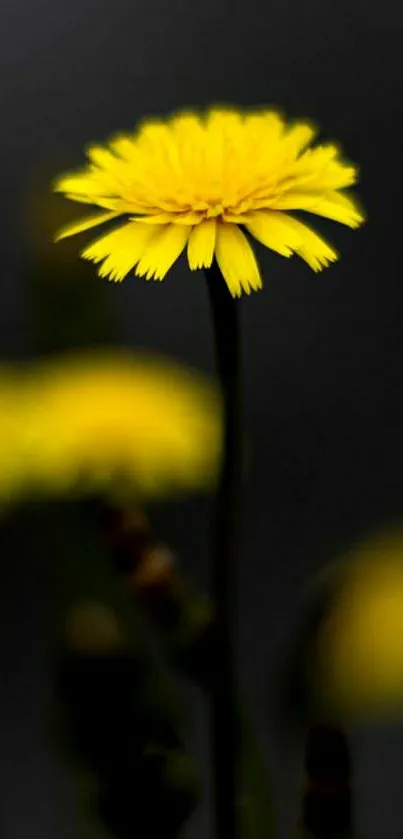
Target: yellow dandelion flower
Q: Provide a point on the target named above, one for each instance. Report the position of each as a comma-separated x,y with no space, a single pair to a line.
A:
360,647
12,460
97,420
193,181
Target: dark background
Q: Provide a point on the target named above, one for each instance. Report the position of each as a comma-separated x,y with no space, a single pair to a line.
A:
323,354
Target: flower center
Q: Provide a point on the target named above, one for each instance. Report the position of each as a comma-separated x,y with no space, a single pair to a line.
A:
214,210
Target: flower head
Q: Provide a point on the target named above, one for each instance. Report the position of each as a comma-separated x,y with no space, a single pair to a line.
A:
359,647
110,421
11,435
193,181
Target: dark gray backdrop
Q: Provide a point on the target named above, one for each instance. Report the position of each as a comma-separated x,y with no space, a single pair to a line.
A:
323,354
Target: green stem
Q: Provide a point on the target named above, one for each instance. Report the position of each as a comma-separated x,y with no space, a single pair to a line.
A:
224,712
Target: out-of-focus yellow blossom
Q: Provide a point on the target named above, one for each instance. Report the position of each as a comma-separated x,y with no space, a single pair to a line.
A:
360,645
192,181
12,465
106,421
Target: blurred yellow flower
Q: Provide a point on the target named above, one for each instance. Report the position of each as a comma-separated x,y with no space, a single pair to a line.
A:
360,646
12,465
192,180
107,420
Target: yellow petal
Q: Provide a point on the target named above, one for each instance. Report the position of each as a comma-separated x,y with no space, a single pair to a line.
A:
323,169
168,218
313,249
236,260
338,175
102,157
187,218
234,218
125,147
85,183
152,219
339,208
118,205
333,205
201,245
153,135
273,231
121,249
298,137
286,236
296,199
162,251
84,224
80,198
269,125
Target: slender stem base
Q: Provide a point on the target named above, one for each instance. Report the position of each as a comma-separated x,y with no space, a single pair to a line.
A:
224,712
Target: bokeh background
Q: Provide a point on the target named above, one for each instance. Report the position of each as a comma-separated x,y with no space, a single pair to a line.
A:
323,354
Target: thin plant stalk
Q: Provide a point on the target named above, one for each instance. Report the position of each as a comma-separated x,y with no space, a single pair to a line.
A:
223,689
